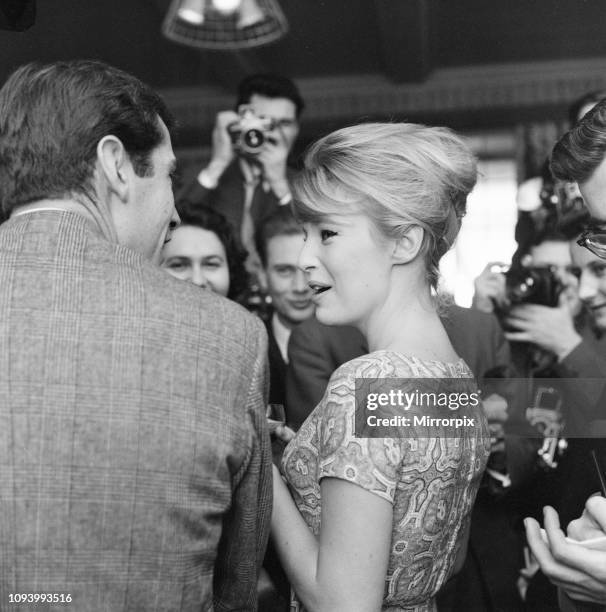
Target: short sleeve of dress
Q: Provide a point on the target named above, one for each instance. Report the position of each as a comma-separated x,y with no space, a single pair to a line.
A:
371,463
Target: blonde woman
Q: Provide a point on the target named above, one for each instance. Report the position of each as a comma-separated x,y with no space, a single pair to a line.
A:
379,523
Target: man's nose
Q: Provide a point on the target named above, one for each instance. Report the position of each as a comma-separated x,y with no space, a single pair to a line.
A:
300,282
588,286
175,220
307,260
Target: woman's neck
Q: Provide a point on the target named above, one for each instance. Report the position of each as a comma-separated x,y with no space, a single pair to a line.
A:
409,323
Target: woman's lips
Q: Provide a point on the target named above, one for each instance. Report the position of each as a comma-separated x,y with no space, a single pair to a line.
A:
318,288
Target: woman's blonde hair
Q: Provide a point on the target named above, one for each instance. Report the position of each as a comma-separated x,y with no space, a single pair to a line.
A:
398,174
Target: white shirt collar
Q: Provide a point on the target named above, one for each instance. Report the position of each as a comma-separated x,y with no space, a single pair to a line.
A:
252,174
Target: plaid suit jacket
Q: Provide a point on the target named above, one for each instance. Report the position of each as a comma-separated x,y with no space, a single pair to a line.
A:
135,465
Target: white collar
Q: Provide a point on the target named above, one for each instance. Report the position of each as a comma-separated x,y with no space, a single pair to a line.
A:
252,174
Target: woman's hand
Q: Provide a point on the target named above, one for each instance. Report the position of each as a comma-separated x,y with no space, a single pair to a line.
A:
284,433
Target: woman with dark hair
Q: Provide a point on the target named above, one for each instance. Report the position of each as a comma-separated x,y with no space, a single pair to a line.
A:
203,250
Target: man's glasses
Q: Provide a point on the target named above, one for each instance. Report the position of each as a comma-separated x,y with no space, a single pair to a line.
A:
595,241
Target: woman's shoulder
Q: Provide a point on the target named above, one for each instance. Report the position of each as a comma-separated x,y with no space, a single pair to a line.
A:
392,364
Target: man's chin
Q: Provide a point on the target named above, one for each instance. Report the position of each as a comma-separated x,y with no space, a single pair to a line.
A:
298,316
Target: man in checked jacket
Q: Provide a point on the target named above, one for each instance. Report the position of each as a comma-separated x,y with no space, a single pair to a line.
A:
134,453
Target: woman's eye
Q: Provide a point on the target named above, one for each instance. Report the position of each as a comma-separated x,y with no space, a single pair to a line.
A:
326,234
176,265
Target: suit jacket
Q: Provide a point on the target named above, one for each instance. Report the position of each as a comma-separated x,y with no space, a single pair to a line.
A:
277,368
315,351
134,452
228,197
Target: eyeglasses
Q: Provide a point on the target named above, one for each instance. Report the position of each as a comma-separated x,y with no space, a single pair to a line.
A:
595,241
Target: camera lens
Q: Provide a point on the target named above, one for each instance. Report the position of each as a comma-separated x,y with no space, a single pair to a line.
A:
533,285
253,138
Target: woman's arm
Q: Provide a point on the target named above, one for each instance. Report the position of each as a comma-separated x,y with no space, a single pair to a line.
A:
345,569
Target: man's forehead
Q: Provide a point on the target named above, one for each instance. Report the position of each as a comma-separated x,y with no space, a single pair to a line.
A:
277,108
284,247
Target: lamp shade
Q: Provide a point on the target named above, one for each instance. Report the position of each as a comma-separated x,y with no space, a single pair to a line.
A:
253,24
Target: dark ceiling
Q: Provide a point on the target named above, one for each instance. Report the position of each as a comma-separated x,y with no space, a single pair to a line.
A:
327,37
406,49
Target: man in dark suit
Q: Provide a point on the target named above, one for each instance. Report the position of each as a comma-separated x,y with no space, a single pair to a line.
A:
279,240
243,183
134,453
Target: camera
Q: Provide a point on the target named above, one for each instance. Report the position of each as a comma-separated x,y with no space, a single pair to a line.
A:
249,133
533,285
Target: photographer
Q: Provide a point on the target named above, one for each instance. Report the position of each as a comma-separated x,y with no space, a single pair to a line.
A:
247,175
537,297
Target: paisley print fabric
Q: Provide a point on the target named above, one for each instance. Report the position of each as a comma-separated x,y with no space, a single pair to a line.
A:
431,482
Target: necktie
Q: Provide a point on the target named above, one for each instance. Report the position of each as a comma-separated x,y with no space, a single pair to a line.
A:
247,229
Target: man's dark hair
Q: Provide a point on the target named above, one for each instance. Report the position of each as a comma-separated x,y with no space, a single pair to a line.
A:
53,116
536,227
581,150
270,86
592,97
279,223
204,217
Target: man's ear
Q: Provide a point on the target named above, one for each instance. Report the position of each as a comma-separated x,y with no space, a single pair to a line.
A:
114,165
408,247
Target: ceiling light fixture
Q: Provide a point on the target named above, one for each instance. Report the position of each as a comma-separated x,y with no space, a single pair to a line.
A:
192,11
226,7
224,24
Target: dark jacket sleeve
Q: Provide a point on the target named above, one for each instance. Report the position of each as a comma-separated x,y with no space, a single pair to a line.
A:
246,527
308,373
584,373
315,351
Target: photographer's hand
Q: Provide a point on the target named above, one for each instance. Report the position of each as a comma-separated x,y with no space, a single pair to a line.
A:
489,288
272,158
222,150
550,328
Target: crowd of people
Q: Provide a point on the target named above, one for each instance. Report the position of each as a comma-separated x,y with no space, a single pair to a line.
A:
142,464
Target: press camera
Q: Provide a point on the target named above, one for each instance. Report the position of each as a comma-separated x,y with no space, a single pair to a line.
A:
249,133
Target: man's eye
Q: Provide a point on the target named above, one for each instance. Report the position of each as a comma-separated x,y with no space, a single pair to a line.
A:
599,270
175,265
326,234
